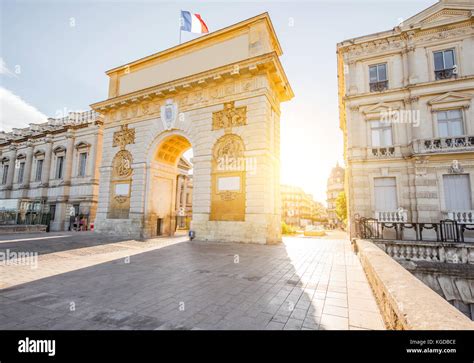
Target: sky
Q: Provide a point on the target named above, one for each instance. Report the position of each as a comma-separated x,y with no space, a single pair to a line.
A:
54,54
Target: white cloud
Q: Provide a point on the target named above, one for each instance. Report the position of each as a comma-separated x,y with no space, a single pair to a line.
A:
4,69
15,112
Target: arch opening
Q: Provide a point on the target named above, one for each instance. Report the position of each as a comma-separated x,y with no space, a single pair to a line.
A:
170,187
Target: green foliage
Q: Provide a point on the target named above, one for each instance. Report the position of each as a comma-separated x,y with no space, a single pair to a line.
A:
341,207
286,229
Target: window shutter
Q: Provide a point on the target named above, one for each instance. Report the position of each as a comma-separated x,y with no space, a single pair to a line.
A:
457,192
385,194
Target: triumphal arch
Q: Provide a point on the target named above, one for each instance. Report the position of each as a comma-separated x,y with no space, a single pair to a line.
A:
219,94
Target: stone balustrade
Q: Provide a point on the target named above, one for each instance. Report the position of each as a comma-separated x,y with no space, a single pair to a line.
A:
429,251
382,152
392,216
405,302
462,217
443,144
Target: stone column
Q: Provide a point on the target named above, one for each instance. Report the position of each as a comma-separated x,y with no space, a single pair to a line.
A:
185,191
179,197
411,66
406,71
28,166
11,167
352,87
184,198
69,159
415,129
91,160
47,161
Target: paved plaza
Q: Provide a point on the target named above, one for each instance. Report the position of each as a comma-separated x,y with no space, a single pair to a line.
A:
84,280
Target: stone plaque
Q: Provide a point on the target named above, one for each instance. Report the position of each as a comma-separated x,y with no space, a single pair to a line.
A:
122,189
231,183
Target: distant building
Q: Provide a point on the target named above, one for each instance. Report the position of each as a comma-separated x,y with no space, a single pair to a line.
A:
184,195
298,208
335,186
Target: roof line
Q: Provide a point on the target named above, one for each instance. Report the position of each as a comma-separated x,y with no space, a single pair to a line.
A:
204,38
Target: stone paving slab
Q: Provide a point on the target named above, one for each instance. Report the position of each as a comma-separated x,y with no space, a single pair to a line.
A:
91,281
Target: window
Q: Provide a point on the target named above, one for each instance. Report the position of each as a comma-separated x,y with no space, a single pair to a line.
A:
5,174
385,194
381,133
378,73
59,167
457,192
444,60
450,123
378,77
39,169
444,64
82,164
21,172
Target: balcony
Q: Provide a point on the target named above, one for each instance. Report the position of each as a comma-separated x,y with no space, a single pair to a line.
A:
462,217
443,144
382,152
378,86
397,216
445,73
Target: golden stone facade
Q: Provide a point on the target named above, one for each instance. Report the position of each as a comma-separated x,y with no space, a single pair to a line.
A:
220,95
405,104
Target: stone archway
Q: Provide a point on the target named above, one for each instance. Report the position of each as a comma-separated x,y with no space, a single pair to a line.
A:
162,183
220,93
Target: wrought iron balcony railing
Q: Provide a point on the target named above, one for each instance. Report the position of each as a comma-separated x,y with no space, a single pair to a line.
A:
445,73
444,144
378,86
443,231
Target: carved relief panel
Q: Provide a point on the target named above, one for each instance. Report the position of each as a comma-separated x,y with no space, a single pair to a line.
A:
229,117
228,179
121,178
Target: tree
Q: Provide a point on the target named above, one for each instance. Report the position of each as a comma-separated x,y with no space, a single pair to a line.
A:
341,207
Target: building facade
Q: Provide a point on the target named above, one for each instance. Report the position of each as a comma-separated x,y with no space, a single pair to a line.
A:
53,168
298,209
335,186
405,98
220,95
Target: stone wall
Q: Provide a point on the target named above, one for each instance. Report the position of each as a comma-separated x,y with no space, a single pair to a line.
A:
404,301
446,267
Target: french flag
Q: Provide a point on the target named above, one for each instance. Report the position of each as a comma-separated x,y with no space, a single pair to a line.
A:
193,23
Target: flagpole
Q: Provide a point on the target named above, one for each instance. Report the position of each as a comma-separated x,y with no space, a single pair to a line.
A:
180,25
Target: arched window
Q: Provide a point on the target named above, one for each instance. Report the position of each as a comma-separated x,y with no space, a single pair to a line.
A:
60,156
5,167
82,156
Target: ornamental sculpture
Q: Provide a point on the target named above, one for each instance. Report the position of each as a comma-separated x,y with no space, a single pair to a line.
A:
124,137
230,116
122,164
229,146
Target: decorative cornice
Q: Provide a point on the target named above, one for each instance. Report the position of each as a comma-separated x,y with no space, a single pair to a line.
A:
405,40
261,64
